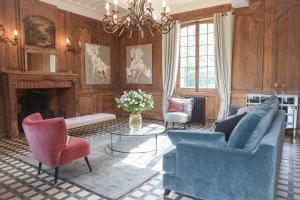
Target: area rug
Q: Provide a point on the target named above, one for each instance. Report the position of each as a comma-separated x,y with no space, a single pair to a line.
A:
114,174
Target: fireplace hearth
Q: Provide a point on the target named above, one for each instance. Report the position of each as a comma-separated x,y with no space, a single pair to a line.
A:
33,102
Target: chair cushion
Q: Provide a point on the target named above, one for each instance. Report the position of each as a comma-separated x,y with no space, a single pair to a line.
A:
179,117
169,162
260,131
227,125
76,149
175,106
243,130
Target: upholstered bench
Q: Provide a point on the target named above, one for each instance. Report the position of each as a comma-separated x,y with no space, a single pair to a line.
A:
87,120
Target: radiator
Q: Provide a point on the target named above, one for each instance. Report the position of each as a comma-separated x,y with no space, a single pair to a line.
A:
198,114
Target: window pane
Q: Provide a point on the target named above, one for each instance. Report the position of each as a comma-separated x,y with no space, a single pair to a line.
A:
192,40
210,28
183,82
210,39
192,51
211,72
191,82
202,83
183,72
203,61
203,39
211,50
192,30
183,62
183,41
203,72
191,72
183,31
211,61
183,52
211,83
203,50
191,62
203,28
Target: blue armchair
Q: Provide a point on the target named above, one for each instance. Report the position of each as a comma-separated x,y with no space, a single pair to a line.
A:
246,167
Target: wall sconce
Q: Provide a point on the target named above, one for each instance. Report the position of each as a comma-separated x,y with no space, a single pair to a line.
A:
72,48
5,39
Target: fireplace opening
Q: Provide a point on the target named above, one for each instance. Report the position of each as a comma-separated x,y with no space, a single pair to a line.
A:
50,103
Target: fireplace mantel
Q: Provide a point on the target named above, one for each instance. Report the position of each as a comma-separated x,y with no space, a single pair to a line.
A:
13,81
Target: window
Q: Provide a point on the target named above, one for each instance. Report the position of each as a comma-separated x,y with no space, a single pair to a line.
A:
197,61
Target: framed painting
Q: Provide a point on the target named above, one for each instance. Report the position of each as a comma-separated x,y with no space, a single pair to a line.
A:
39,32
139,64
97,64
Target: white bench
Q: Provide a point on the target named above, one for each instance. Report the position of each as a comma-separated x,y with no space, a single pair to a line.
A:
86,120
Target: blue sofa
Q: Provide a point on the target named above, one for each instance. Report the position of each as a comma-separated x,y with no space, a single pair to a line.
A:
204,166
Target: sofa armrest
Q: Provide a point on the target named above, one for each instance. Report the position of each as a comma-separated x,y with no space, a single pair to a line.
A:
200,137
221,167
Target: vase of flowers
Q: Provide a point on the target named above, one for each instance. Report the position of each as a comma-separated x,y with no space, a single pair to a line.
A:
135,102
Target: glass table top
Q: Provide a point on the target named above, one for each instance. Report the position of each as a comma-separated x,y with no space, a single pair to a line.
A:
146,130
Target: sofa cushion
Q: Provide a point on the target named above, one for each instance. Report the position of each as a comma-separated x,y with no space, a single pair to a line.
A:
175,106
169,162
180,117
243,130
227,125
260,130
233,110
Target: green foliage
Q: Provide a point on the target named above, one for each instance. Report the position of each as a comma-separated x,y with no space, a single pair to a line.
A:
135,102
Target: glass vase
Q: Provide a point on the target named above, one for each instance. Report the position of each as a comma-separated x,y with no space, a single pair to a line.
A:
135,122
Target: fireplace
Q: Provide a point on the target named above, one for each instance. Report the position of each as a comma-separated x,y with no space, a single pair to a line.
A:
34,101
52,94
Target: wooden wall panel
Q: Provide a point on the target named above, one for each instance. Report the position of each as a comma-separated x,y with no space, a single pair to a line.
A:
248,48
287,45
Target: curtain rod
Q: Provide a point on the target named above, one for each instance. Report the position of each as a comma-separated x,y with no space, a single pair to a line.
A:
196,20
204,19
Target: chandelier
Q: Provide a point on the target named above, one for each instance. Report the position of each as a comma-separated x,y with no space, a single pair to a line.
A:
140,18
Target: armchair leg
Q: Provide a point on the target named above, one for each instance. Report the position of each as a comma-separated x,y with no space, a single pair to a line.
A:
87,162
167,192
56,175
185,126
166,125
173,124
40,167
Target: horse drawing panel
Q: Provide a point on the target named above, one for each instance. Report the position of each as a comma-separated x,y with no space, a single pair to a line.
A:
97,64
139,64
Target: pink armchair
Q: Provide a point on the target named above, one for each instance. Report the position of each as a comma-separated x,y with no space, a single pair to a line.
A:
48,143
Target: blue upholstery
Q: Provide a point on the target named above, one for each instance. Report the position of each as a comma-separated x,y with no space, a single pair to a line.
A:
233,110
169,162
213,138
206,170
242,131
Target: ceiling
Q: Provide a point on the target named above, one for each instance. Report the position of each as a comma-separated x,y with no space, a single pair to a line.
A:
95,8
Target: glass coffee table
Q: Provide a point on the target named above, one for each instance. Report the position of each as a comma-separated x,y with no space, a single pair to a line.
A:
123,130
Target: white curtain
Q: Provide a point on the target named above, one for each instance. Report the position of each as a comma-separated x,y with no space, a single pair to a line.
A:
224,30
170,56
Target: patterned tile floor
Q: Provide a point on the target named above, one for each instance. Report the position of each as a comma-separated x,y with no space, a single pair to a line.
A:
19,180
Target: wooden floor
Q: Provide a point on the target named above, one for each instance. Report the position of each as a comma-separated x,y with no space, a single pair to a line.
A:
19,180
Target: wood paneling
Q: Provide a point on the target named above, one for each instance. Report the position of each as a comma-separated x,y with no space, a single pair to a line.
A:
287,45
248,48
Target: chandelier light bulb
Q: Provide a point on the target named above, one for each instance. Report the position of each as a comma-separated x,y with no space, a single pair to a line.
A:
116,2
128,19
107,6
149,1
164,4
168,9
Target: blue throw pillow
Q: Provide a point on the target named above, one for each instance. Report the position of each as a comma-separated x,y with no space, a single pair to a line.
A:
243,130
260,131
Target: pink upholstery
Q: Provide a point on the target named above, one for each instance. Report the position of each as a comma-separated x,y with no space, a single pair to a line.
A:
47,141
89,119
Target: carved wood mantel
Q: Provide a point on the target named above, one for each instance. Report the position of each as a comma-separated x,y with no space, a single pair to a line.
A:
13,81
